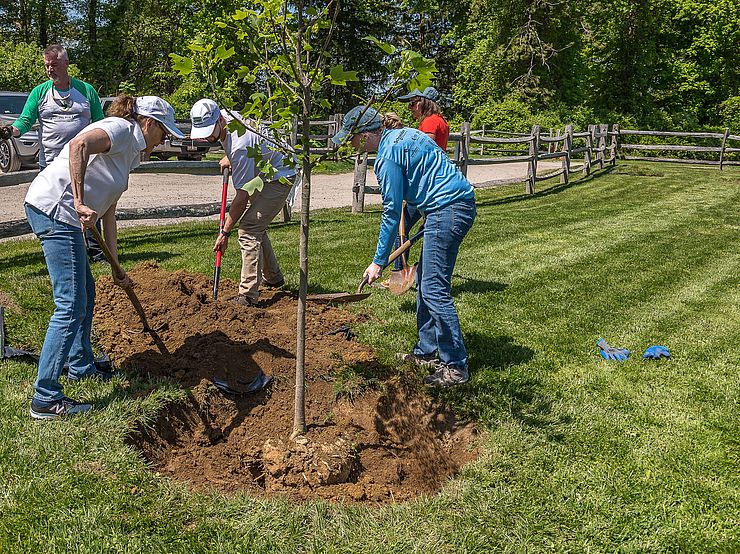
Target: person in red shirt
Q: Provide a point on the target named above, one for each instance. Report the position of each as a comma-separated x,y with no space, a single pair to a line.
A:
424,107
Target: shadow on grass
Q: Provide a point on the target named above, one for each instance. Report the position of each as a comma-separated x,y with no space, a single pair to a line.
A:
23,260
502,386
131,258
476,285
408,304
555,189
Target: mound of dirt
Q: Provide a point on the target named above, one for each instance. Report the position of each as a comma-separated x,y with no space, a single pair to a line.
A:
373,435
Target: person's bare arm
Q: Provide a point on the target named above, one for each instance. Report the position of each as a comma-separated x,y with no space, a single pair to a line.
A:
80,149
110,236
236,211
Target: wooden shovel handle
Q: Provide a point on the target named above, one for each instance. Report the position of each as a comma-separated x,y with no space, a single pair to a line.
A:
120,274
395,254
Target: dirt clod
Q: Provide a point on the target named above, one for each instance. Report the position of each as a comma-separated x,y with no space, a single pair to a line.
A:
389,443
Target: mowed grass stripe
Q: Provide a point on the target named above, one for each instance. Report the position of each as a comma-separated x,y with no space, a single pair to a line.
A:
580,454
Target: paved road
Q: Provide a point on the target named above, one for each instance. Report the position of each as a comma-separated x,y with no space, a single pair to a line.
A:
147,190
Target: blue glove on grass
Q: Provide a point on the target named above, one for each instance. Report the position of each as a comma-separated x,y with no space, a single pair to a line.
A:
612,354
656,352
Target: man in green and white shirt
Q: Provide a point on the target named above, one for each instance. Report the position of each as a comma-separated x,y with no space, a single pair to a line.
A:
62,105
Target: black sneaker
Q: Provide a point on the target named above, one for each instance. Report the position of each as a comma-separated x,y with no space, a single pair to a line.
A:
62,407
100,372
422,360
99,259
447,376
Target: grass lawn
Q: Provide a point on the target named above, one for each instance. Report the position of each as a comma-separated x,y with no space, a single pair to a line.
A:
581,454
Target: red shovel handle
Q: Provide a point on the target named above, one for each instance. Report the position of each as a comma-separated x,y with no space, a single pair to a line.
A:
221,223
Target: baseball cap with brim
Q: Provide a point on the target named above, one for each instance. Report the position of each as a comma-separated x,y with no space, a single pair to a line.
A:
204,115
358,120
430,93
159,110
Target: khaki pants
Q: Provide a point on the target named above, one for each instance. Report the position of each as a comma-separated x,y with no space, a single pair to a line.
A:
258,258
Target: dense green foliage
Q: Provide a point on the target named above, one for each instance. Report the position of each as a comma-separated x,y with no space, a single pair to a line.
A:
580,455
662,64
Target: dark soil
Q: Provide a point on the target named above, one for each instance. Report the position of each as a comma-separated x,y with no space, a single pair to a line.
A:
373,434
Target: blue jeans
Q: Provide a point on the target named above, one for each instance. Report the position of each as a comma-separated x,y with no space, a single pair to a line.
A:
68,335
436,318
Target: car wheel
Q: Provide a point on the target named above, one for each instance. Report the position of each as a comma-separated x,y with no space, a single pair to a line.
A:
9,160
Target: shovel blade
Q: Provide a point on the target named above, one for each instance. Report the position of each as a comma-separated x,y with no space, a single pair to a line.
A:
402,280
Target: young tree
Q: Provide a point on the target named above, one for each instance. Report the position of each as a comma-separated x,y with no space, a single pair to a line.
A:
287,61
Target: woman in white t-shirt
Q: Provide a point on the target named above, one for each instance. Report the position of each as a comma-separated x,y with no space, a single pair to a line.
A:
82,184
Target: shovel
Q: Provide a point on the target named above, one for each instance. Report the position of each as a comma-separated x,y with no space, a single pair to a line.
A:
222,220
402,280
257,384
342,297
131,294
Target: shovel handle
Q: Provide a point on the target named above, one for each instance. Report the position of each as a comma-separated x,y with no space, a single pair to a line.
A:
221,223
395,254
120,274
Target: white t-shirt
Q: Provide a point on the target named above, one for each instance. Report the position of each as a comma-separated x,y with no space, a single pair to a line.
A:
243,168
106,177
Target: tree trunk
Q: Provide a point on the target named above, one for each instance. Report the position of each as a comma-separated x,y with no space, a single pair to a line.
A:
299,420
92,22
43,23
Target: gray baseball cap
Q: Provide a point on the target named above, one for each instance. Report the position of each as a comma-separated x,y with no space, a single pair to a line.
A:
358,120
430,93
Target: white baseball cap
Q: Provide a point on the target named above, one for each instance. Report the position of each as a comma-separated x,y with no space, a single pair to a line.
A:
204,115
156,108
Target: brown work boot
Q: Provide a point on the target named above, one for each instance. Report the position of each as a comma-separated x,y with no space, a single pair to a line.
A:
244,300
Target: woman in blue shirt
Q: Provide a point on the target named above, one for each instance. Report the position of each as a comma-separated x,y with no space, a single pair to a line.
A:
411,167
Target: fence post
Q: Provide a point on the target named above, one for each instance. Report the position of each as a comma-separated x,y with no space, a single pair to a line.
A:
567,145
534,149
483,134
358,188
464,147
587,155
614,146
601,145
722,151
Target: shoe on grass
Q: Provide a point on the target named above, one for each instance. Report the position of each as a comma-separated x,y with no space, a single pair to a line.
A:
100,372
447,376
62,407
422,360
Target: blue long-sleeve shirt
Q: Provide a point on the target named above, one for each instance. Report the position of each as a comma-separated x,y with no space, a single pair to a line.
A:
411,167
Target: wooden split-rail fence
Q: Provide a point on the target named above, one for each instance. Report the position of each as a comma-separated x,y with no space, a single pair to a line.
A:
586,151
593,148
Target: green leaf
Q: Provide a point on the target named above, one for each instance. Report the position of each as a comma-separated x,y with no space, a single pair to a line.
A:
223,54
340,77
239,15
384,46
254,185
181,64
198,47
